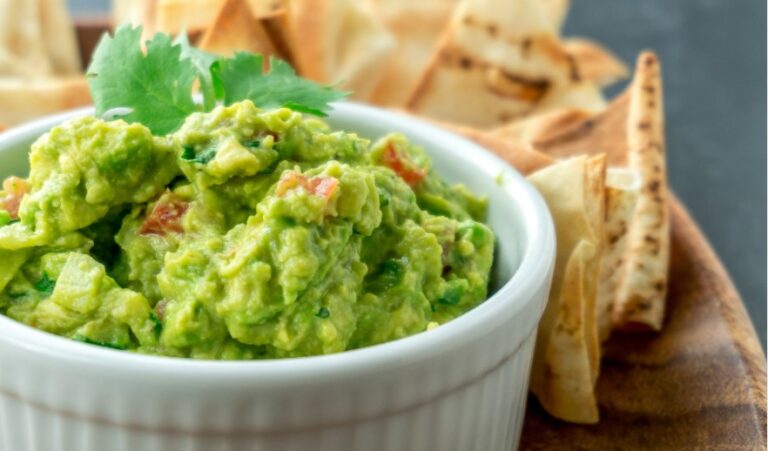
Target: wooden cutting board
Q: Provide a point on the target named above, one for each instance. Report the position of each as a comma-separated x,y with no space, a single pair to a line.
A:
699,384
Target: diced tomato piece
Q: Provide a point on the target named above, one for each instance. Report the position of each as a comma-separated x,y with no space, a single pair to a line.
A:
15,188
320,185
403,168
165,217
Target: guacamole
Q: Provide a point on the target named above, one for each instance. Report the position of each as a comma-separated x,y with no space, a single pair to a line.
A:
246,234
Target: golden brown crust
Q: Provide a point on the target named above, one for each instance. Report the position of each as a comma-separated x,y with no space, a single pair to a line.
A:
642,294
595,62
236,28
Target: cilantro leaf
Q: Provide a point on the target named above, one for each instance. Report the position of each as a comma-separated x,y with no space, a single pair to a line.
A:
204,63
45,284
156,86
243,77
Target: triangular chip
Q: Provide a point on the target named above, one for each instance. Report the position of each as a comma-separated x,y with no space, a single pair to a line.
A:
234,29
136,12
568,132
340,41
555,11
642,295
596,63
500,61
533,129
22,49
416,25
22,100
622,188
566,360
523,158
59,38
192,16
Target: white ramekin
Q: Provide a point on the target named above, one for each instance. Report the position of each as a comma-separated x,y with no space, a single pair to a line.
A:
460,387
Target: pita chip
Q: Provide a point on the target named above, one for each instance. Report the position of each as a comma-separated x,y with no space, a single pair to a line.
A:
23,51
498,62
567,356
596,63
567,132
642,294
136,12
622,189
555,11
59,38
22,100
236,28
416,26
192,16
340,41
523,158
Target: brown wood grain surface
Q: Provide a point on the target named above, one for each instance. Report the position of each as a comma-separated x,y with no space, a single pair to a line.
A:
698,384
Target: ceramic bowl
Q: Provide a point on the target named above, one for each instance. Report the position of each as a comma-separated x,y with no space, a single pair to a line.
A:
462,386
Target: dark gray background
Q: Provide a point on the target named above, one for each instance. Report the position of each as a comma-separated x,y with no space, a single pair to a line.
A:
713,55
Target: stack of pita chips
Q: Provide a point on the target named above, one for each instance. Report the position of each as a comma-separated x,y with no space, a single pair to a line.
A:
329,41
40,69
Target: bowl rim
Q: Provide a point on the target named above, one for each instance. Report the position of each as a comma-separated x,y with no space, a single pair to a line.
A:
533,272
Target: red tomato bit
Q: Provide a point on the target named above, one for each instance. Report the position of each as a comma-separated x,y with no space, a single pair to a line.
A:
402,167
320,185
165,217
15,188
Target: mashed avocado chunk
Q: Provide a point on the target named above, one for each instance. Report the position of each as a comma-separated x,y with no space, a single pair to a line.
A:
247,234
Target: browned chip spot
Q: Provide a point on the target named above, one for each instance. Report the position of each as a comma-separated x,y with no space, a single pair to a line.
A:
653,186
526,47
465,62
515,86
574,68
468,20
492,29
645,125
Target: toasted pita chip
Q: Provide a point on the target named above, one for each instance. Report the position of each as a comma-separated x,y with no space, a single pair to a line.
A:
622,189
136,12
416,26
531,130
595,63
642,295
340,41
192,16
59,38
556,11
22,100
234,29
499,61
568,132
263,8
566,360
22,48
521,157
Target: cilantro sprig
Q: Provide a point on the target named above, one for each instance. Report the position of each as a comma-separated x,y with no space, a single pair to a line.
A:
155,87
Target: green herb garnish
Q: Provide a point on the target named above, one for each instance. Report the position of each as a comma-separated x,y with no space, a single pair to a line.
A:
323,313
155,87
45,284
158,326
